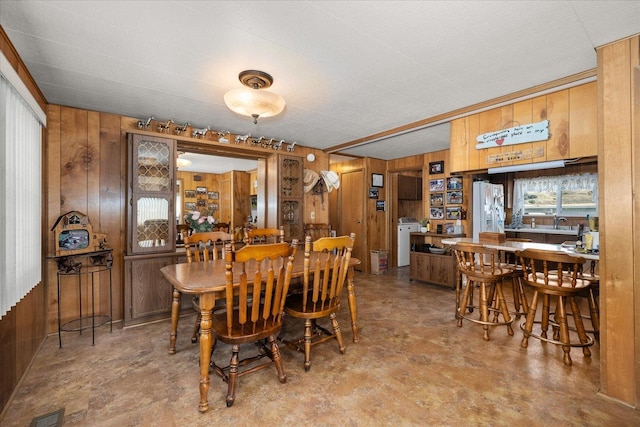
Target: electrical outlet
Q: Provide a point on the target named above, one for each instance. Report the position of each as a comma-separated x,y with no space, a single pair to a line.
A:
313,215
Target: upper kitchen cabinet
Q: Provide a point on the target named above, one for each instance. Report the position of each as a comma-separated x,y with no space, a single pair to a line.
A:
571,114
409,187
151,210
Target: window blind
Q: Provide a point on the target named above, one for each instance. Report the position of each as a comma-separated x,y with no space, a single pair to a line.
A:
21,188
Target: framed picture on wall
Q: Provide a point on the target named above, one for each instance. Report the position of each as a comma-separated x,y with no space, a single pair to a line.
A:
202,203
377,180
373,193
190,194
454,212
436,199
436,167
213,195
190,206
201,191
454,197
436,213
454,183
436,185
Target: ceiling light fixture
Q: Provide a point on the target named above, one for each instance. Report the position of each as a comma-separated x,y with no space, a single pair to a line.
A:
254,102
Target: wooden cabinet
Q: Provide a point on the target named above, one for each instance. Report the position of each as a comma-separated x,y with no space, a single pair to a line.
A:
409,187
151,196
572,130
432,268
148,295
151,228
286,195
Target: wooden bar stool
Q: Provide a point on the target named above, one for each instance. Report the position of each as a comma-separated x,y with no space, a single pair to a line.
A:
555,274
481,268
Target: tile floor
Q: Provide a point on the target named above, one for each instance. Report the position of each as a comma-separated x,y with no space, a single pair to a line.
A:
412,366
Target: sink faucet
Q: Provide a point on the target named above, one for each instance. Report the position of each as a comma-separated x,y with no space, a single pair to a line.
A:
556,220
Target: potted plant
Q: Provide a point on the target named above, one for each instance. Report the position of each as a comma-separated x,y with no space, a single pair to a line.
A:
423,225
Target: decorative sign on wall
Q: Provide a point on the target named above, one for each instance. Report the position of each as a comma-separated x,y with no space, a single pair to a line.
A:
516,135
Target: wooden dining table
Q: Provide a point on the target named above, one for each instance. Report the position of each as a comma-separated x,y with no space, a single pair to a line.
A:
207,280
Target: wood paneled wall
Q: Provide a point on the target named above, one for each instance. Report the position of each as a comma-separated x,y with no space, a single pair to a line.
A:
619,183
85,163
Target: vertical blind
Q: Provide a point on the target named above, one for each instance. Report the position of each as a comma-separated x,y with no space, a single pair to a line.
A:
21,188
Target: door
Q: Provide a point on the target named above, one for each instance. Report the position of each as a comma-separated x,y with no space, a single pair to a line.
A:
225,201
351,194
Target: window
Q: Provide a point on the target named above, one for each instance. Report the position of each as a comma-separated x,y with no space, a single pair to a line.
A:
567,195
21,121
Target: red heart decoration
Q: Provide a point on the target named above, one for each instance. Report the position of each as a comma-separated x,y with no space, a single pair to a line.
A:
500,141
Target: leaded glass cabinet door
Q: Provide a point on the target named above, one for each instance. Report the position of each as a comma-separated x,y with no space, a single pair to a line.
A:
291,197
152,223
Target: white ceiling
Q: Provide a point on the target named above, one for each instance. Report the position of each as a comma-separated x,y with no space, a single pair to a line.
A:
347,69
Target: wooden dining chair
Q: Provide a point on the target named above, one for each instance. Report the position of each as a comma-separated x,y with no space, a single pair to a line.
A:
257,283
555,275
481,268
326,262
182,230
221,226
202,247
253,236
317,230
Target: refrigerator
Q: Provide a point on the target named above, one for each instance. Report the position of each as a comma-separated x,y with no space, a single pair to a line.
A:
488,208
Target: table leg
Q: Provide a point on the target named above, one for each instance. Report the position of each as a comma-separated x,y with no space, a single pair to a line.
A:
352,304
206,307
175,316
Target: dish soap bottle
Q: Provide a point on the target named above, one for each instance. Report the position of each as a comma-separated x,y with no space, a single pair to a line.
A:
428,226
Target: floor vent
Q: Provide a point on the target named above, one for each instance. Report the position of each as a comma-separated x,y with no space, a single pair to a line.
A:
52,419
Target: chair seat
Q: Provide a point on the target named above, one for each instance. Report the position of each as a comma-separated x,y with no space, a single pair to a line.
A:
240,334
294,307
554,282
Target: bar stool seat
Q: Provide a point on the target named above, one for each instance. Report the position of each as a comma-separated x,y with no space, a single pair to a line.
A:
481,268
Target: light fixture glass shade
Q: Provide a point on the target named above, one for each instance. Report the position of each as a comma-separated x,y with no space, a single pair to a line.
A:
254,102
182,162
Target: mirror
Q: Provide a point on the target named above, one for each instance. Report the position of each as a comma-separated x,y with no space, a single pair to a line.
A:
179,205
218,185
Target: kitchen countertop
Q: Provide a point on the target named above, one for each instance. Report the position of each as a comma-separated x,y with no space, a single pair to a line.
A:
519,246
545,230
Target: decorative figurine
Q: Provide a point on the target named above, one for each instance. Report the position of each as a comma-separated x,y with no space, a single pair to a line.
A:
145,124
222,136
291,147
242,138
182,129
164,127
201,132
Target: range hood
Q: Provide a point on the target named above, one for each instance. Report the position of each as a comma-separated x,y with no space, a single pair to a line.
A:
528,167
